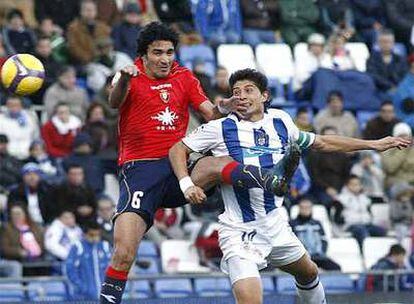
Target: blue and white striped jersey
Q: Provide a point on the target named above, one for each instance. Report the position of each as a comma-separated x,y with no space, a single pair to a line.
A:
259,143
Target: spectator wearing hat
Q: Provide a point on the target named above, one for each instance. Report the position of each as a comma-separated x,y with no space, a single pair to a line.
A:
75,195
33,193
16,37
65,90
404,96
399,164
401,208
91,164
83,32
21,127
126,32
9,165
107,62
381,125
60,131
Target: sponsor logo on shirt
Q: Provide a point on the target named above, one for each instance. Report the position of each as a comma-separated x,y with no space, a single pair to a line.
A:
167,119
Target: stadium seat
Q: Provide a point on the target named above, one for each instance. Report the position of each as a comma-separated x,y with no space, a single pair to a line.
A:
276,61
345,252
190,53
375,248
381,215
47,291
141,289
215,287
359,53
268,285
285,284
319,213
406,243
363,117
173,288
235,57
154,266
111,187
147,249
180,256
10,293
337,284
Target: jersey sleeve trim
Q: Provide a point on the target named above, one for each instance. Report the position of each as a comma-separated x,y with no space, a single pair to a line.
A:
305,139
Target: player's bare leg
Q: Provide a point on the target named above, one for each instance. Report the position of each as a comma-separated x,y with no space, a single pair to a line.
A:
129,229
309,289
248,291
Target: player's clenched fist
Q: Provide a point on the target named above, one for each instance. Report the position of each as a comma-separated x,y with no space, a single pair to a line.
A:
195,195
129,71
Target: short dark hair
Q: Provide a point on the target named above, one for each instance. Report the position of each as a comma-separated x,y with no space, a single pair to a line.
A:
335,93
91,225
71,166
13,13
396,249
259,79
386,103
351,177
155,31
302,110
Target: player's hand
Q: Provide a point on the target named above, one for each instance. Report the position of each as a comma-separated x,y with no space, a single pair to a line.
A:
195,195
233,104
390,142
129,71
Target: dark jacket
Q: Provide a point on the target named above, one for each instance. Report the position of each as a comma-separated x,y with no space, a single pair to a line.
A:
16,42
400,16
377,128
386,76
310,232
377,280
62,12
172,11
9,170
336,13
19,193
367,12
261,15
125,38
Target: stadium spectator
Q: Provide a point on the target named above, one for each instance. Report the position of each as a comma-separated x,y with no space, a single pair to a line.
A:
108,11
126,32
50,169
299,20
106,63
82,156
340,59
398,164
381,125
335,116
86,263
400,16
404,96
44,54
62,234
394,260
21,238
16,37
369,19
371,175
401,208
329,172
200,71
167,225
316,57
10,269
62,12
356,211
337,17
207,244
105,212
221,87
20,125
34,194
60,131
218,21
303,120
83,32
312,235
57,42
261,21
65,90
9,165
25,6
385,67
75,195
101,97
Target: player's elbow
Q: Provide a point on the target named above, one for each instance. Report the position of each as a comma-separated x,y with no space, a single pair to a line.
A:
176,150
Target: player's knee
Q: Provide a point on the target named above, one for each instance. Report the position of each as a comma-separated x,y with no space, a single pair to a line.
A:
308,274
123,256
248,297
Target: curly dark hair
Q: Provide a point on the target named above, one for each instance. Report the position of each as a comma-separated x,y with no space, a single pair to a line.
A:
259,79
155,31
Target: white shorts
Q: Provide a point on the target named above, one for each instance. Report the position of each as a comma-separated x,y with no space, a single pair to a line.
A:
269,240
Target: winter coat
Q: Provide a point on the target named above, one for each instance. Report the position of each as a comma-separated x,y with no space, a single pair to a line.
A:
356,208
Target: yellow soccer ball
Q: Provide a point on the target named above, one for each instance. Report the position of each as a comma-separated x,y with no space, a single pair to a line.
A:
22,74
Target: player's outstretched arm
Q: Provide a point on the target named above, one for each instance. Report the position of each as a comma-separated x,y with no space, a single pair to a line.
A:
209,111
121,85
336,143
178,158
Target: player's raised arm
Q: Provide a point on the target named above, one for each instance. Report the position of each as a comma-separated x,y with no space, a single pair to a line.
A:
336,143
121,85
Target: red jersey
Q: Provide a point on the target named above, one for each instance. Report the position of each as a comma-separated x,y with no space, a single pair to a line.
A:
154,115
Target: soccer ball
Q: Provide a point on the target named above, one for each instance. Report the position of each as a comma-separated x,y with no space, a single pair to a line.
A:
22,74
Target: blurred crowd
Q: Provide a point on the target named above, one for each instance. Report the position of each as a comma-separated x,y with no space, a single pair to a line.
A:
54,206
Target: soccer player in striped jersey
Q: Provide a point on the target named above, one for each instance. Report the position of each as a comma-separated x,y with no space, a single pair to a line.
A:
253,232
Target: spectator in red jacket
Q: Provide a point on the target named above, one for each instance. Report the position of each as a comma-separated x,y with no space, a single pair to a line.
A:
59,132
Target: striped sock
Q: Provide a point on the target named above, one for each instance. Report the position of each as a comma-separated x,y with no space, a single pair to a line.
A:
311,293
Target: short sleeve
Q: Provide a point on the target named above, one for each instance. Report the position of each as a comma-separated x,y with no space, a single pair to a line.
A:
204,138
196,93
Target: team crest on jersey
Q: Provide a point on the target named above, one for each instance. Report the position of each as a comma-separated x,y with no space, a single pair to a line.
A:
165,96
261,139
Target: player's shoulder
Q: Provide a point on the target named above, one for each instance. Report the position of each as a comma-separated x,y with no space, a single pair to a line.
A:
181,71
278,113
